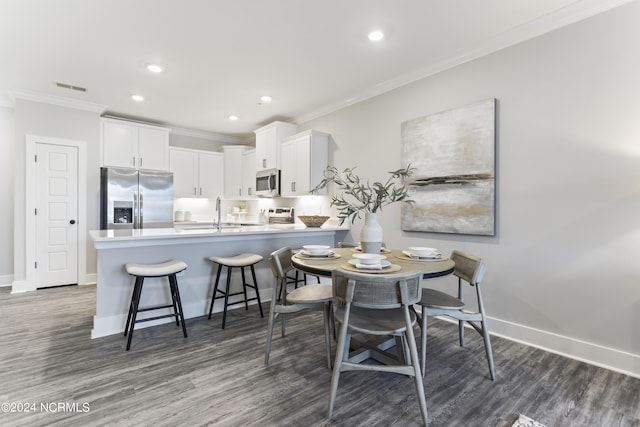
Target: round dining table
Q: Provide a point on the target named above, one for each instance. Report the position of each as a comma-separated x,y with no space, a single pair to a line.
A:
400,261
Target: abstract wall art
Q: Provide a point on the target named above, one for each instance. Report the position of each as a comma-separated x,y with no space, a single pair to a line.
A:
454,183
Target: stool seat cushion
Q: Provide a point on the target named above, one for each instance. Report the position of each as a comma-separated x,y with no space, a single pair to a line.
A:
156,270
242,260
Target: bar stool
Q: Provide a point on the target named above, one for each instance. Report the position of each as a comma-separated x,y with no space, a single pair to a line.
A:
140,271
242,261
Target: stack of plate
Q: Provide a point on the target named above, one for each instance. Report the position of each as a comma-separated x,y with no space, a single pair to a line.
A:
366,261
419,252
316,251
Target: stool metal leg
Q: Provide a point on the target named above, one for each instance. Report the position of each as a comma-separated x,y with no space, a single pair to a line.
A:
174,284
136,286
173,288
226,297
255,284
215,289
244,289
135,310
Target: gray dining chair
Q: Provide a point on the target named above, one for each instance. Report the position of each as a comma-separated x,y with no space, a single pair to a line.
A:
377,304
470,269
314,296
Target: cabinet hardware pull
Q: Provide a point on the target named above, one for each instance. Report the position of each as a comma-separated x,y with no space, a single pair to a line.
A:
201,191
134,161
195,193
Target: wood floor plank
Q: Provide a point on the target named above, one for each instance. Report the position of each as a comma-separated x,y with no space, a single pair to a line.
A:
217,377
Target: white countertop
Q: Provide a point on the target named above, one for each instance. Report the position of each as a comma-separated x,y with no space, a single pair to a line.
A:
146,236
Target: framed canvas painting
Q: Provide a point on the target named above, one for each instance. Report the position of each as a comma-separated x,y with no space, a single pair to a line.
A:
454,183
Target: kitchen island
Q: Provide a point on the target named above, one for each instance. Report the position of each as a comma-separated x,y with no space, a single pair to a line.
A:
115,248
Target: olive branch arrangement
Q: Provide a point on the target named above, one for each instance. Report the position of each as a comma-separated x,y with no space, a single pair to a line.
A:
360,196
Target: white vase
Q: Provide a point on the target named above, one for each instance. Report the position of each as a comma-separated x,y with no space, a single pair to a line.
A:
371,234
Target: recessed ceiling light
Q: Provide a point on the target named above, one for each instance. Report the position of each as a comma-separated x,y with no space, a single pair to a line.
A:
233,118
265,98
375,36
154,68
137,98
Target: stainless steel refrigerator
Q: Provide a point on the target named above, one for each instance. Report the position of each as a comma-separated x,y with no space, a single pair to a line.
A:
131,198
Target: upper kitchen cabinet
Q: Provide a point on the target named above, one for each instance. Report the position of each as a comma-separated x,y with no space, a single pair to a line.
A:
233,171
268,140
249,173
305,156
196,173
133,145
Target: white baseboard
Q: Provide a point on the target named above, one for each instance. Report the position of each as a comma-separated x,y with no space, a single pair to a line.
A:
20,286
594,354
6,280
90,279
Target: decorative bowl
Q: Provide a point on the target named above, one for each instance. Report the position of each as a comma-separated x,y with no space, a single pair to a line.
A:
369,259
316,249
313,220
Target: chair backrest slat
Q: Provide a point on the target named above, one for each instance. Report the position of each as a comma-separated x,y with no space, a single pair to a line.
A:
280,262
381,291
468,267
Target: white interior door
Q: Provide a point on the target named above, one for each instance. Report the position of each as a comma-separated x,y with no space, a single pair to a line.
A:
56,215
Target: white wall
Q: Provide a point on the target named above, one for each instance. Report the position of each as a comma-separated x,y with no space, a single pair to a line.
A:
7,160
34,118
562,268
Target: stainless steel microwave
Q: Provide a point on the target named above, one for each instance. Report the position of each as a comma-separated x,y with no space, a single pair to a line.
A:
268,183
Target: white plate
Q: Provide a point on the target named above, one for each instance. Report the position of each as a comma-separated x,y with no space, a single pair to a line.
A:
414,256
384,264
310,255
316,249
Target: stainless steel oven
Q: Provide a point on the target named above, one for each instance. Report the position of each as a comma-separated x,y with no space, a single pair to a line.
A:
268,183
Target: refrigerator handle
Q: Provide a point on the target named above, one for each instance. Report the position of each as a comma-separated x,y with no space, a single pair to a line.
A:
136,210
140,203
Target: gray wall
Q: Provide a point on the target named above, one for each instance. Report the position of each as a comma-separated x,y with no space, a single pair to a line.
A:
7,160
562,269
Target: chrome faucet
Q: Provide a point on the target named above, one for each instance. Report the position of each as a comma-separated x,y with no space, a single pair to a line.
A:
219,213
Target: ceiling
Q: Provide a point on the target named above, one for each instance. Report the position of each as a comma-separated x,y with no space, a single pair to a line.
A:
220,57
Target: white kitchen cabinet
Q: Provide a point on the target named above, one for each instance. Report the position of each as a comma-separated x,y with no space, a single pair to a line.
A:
233,171
196,173
249,173
133,145
268,140
304,157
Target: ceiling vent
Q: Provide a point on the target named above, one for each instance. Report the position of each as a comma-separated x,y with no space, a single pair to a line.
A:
66,86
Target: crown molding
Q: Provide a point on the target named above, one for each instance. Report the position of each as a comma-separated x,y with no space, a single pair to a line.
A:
562,17
209,136
56,100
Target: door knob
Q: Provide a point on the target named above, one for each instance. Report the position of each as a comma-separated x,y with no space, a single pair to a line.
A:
73,221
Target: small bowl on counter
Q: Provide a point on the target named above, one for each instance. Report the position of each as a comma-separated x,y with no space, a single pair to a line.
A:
313,220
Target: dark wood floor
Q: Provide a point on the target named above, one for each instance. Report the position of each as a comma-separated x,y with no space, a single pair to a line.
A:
217,377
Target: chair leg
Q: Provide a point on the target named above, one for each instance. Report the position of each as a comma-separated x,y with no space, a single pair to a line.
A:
215,288
341,354
174,282
327,330
423,341
461,332
136,303
272,320
255,284
416,365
